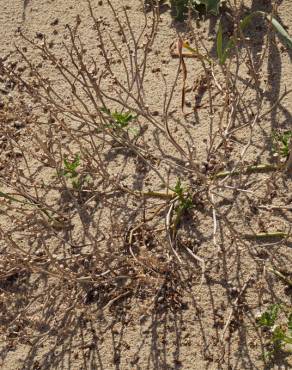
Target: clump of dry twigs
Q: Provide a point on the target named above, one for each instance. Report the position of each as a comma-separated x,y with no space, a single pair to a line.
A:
108,198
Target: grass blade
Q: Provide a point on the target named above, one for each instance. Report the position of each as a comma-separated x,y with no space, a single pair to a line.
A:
282,32
244,23
220,44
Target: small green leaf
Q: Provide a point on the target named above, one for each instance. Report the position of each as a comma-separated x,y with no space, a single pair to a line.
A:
71,167
281,142
123,119
269,317
278,334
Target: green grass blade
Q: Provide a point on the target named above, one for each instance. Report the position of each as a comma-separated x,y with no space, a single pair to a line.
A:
287,340
220,44
277,26
280,29
13,199
245,22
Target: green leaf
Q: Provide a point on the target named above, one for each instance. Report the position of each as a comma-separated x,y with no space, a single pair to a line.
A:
287,340
269,317
280,29
123,119
277,26
231,43
225,55
220,44
212,6
70,167
120,119
178,189
246,21
290,324
278,334
281,142
187,203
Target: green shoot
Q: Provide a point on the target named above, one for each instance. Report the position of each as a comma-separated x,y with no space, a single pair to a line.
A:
178,189
220,43
281,143
120,120
269,317
278,336
184,202
71,171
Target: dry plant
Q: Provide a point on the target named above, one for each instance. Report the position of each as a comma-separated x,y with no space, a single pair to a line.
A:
90,230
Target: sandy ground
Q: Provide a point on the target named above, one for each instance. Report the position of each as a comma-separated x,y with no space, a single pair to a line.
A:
167,320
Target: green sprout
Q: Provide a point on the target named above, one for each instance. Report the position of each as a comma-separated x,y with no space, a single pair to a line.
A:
120,120
278,335
184,202
269,317
281,143
71,171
